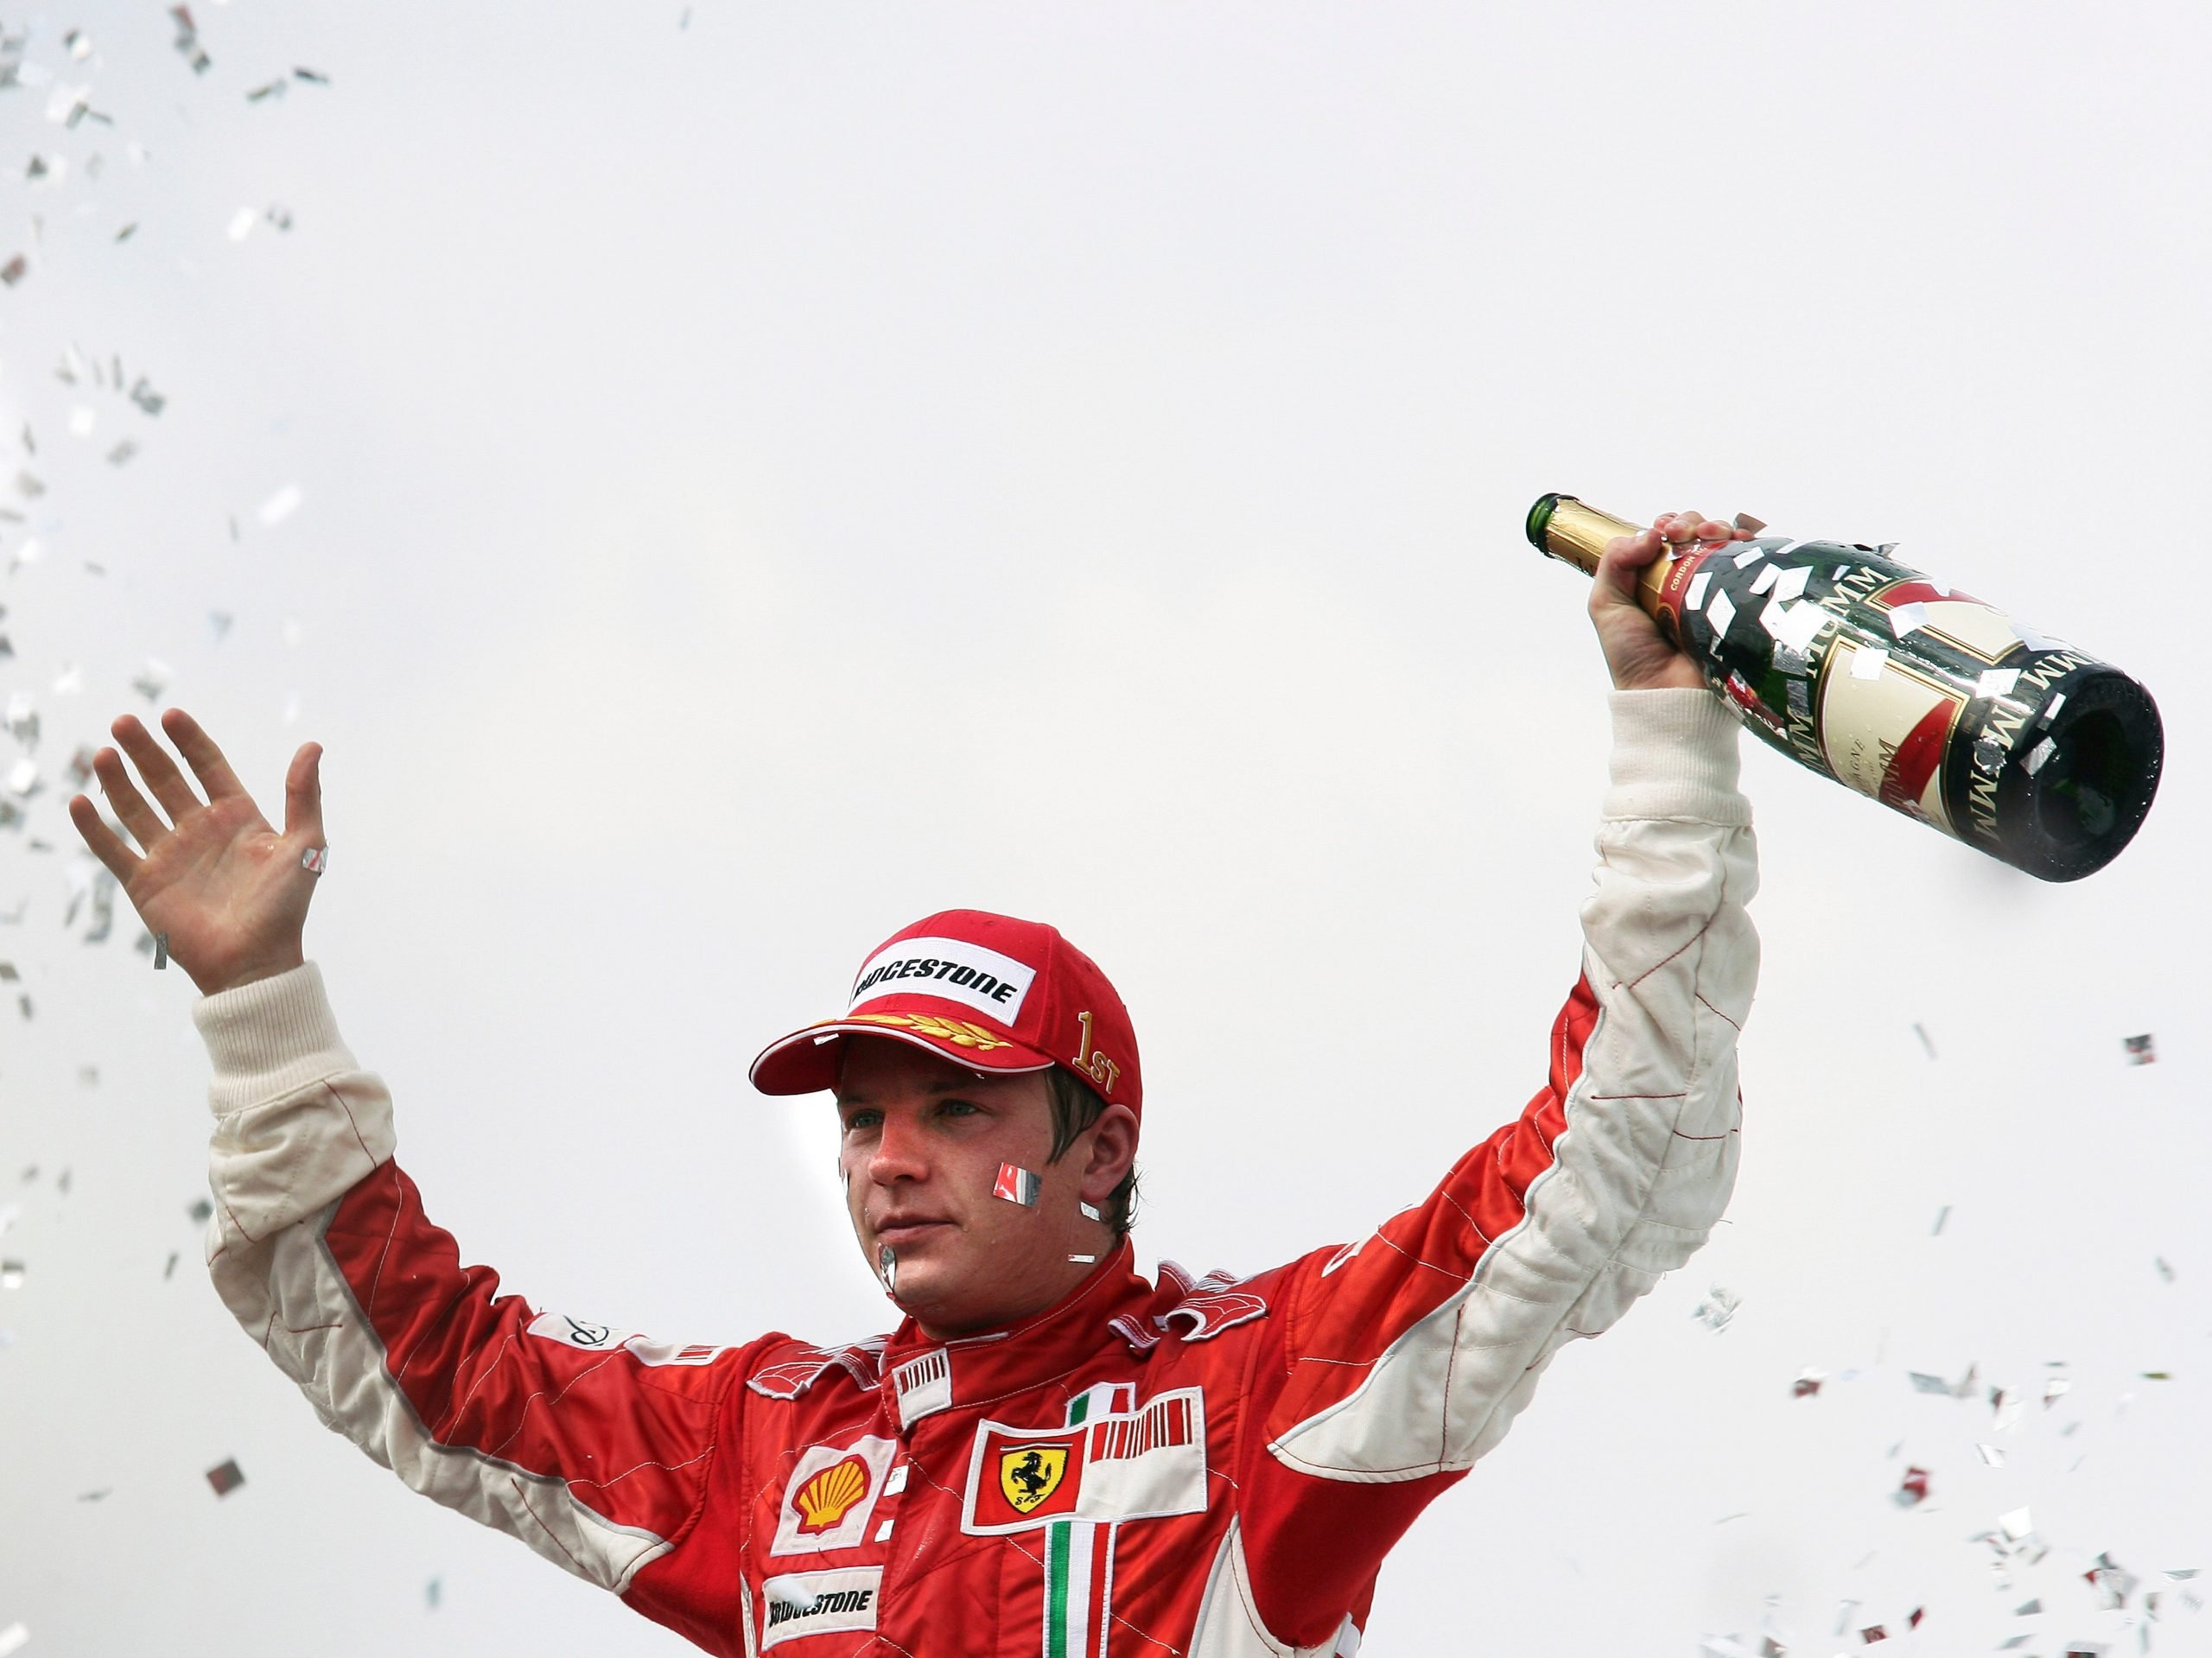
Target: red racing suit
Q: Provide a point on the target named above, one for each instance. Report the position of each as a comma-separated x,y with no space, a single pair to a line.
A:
1208,1468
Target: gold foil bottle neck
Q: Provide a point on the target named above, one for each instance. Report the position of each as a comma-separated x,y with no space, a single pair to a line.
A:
1576,533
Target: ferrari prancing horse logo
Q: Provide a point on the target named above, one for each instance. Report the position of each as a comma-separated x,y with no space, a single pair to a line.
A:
1031,1473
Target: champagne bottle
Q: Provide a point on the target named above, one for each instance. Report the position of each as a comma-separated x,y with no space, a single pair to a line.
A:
1935,703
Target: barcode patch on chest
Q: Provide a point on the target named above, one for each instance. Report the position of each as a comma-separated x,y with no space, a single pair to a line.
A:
1163,1423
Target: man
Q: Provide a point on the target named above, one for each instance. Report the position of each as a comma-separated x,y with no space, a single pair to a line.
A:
1050,1453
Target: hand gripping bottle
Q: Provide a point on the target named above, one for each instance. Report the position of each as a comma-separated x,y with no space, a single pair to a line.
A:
1938,705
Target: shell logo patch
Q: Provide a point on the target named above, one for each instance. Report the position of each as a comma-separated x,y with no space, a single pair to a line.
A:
828,1497
1030,1474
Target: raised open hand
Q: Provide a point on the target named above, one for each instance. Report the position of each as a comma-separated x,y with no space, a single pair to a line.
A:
230,893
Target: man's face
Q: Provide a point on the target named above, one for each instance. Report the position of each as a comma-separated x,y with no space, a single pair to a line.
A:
922,1140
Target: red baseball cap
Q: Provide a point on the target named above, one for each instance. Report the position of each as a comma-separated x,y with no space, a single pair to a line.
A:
986,991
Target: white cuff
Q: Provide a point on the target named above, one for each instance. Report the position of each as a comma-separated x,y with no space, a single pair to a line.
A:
270,1039
1675,756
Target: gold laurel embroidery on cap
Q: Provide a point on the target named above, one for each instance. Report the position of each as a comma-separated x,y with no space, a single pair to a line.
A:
958,1032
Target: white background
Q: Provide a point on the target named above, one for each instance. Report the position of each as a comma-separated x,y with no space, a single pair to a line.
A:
766,479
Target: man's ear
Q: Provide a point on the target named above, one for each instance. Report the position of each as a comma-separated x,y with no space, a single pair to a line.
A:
1113,1152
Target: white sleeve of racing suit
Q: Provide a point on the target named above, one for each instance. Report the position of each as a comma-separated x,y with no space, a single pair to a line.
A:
1415,1349
588,1443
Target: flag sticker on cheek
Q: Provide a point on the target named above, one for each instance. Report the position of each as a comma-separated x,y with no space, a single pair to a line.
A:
1018,1186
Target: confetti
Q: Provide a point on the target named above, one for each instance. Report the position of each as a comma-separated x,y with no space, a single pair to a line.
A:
2113,1584
1717,1309
12,1639
11,1275
1720,612
225,1477
1923,1383
281,505
1912,1490
1808,1386
2140,1050
188,39
200,1210
1794,626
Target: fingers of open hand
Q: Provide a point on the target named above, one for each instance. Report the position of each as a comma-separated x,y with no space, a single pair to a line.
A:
199,751
144,823
106,844
303,795
155,765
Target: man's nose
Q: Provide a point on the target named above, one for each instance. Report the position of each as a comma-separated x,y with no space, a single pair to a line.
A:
899,1154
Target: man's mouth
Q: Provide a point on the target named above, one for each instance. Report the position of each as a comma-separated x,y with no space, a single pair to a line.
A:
902,1234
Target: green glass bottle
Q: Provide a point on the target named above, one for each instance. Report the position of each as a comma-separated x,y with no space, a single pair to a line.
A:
1935,703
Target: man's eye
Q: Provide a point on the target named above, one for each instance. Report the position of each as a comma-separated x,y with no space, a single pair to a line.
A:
860,1120
958,1108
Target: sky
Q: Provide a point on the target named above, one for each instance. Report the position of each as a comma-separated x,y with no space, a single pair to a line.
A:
721,484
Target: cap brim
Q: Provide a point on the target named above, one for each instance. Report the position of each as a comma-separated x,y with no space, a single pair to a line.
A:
805,1062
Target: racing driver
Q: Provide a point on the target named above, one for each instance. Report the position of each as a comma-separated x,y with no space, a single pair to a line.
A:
1050,1453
